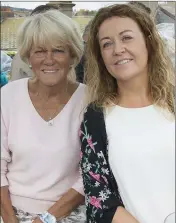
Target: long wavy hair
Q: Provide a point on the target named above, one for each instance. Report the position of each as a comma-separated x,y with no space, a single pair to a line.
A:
102,87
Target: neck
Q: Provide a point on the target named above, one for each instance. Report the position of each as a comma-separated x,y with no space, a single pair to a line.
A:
134,93
47,92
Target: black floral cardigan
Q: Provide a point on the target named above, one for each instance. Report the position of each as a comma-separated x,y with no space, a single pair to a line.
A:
101,191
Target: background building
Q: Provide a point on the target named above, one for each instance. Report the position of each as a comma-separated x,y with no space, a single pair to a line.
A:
12,18
64,6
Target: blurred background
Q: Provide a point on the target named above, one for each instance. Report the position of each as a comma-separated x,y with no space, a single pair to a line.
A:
14,13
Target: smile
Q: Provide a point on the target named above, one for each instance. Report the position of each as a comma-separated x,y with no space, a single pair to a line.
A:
123,61
50,71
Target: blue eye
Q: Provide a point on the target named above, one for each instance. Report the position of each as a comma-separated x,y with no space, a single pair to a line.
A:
106,44
40,52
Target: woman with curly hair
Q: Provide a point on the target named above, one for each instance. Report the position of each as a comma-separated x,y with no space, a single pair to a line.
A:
128,130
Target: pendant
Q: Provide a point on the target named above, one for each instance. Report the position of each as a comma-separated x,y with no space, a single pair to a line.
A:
50,122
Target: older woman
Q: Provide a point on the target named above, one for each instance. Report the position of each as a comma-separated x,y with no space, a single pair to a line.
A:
128,131
40,118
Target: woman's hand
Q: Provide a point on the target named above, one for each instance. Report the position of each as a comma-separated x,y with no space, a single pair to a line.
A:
123,216
66,204
37,220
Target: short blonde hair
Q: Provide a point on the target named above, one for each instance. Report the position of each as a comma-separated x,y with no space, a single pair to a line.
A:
48,29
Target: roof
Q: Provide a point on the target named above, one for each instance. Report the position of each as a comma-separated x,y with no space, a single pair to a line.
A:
9,29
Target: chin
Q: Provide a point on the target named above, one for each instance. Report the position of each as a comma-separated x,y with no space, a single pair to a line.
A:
124,77
49,83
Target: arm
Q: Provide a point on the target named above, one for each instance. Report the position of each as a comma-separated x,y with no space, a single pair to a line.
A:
101,192
7,211
68,202
123,216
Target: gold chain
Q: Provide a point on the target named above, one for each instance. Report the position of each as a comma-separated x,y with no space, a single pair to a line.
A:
52,116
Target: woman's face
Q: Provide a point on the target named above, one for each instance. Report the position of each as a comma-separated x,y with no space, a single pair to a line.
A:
50,65
123,48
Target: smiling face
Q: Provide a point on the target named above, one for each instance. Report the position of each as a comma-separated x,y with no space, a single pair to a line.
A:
123,48
50,65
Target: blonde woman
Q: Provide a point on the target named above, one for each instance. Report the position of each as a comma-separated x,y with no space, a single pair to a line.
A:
128,131
40,148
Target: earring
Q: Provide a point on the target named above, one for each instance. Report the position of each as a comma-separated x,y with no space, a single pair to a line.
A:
71,66
30,66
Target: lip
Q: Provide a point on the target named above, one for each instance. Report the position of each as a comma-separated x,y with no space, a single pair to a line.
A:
116,63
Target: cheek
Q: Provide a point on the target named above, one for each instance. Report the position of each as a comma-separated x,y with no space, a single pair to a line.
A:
64,62
142,52
34,63
143,57
106,58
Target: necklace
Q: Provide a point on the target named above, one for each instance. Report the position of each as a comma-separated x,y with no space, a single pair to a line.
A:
50,119
50,122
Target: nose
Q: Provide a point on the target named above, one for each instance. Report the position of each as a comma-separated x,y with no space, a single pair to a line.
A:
119,48
49,59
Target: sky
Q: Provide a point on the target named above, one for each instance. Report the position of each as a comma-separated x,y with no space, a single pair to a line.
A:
90,5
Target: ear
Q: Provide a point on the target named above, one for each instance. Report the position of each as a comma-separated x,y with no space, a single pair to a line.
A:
29,62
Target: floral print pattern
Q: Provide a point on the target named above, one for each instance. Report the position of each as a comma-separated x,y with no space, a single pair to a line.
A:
77,216
101,191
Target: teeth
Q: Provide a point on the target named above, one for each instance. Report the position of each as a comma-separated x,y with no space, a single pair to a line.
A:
123,61
49,71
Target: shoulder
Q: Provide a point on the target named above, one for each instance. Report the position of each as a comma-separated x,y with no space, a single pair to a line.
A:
93,124
80,93
82,87
94,115
13,89
14,85
77,88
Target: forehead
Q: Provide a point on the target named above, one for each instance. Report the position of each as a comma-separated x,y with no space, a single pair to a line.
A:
116,24
49,46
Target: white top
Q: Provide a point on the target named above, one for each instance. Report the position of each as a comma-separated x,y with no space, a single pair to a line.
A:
39,162
142,158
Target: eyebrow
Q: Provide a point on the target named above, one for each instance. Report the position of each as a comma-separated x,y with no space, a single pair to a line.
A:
124,31
60,46
42,48
39,47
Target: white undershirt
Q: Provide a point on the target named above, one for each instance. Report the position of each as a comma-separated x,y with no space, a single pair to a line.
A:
142,158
